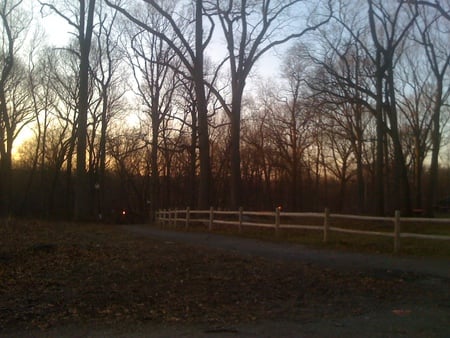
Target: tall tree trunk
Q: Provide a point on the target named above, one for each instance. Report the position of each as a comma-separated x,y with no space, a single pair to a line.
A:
203,133
82,207
33,170
193,160
44,193
5,158
5,127
359,159
100,189
70,188
235,151
379,161
154,182
436,144
296,173
401,183
418,165
6,183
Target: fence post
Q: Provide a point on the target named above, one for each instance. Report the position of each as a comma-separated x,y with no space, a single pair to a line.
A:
240,219
397,231
326,225
211,218
277,221
188,217
166,216
169,217
175,218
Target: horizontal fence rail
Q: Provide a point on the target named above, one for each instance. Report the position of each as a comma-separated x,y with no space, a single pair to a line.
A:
267,219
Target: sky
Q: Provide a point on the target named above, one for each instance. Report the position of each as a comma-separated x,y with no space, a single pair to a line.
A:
58,32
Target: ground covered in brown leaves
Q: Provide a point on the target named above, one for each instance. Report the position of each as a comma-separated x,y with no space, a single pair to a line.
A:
58,274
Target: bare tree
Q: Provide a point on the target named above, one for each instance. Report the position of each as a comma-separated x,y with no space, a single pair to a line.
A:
54,95
436,5
343,84
340,159
108,83
259,158
432,27
294,120
379,40
251,29
415,106
37,80
388,30
81,18
192,59
153,65
188,103
127,150
60,120
15,106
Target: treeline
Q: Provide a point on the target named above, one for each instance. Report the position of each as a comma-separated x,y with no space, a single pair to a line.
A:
149,107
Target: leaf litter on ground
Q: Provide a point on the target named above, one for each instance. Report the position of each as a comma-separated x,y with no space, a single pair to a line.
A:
63,273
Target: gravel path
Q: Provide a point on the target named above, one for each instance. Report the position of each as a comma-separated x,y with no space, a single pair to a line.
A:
290,252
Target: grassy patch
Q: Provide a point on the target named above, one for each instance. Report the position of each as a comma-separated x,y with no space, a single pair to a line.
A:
343,241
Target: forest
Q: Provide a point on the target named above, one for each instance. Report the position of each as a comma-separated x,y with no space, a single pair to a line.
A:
156,104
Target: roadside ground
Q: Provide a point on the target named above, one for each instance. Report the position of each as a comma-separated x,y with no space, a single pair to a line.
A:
66,280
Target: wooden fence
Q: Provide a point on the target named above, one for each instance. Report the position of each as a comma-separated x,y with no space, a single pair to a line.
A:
241,218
